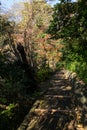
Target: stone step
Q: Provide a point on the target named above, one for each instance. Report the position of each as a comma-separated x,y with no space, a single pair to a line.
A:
57,78
54,103
52,112
57,96
62,88
58,92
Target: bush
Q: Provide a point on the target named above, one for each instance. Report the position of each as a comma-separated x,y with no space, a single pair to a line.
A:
76,63
43,74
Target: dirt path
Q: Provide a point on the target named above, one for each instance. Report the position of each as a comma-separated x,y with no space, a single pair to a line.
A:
56,109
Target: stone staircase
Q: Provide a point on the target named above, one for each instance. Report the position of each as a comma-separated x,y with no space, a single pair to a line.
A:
55,110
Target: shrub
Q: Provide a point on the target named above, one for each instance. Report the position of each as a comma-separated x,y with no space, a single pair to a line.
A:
43,74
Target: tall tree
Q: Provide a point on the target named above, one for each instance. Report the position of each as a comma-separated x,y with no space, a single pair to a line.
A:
35,17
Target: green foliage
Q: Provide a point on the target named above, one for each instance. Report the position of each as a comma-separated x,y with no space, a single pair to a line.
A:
12,83
59,65
6,26
70,23
62,19
76,63
42,35
8,111
69,20
43,74
36,14
6,115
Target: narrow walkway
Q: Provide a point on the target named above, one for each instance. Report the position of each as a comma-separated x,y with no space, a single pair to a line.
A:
55,110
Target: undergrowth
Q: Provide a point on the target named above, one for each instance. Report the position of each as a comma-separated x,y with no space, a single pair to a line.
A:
76,63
